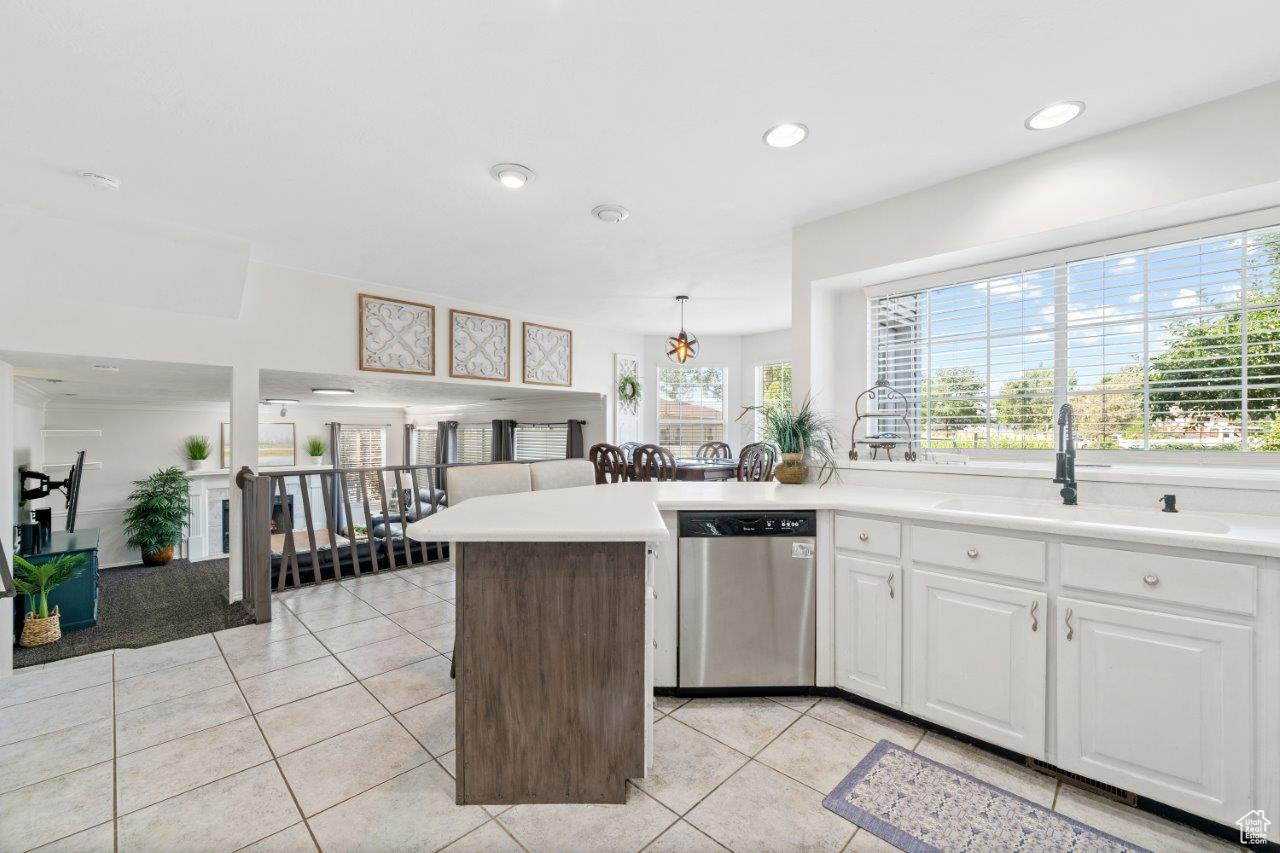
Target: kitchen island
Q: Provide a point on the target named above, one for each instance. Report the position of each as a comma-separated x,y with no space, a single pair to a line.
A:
1123,644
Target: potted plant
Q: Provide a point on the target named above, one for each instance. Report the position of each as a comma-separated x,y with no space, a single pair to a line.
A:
158,515
36,581
315,449
198,448
802,436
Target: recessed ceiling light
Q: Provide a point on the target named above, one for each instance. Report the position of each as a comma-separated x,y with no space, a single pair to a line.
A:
101,181
106,368
513,176
334,391
1055,115
785,135
279,401
611,213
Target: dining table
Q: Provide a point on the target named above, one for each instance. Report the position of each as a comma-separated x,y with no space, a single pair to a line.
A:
688,468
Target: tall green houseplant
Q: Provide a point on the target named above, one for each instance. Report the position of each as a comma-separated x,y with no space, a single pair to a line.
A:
801,435
158,515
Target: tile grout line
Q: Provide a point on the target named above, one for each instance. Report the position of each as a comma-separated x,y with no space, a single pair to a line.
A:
270,749
433,758
115,767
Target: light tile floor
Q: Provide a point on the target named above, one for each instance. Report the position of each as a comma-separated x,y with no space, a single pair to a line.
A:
333,726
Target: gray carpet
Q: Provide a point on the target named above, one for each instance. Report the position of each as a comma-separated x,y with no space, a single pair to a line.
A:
145,605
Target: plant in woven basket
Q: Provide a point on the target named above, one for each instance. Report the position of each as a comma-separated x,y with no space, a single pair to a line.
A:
36,581
801,435
158,515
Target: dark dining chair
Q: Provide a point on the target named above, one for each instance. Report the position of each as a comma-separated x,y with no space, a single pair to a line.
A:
610,464
714,450
755,463
652,462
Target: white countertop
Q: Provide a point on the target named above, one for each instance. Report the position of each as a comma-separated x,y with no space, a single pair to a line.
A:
630,512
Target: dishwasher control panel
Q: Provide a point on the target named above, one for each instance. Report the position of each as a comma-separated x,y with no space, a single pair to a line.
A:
707,524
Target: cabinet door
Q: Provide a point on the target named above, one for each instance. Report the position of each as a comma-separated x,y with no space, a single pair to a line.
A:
868,629
1157,704
978,659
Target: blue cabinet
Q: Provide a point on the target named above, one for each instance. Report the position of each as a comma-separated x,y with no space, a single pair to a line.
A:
77,599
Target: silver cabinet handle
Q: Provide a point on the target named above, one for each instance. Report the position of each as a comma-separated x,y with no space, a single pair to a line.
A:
1151,580
890,581
1071,632
1035,623
972,553
863,536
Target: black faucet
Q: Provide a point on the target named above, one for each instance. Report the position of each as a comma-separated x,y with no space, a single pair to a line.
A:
1170,503
1065,460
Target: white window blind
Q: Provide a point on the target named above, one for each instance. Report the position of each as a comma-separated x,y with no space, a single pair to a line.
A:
1172,347
690,407
424,445
541,441
362,447
773,390
475,442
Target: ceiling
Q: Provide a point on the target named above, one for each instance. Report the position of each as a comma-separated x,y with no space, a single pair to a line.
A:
400,391
356,138
133,382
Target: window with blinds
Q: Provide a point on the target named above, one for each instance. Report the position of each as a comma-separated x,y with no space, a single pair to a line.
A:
1172,347
362,447
475,442
773,390
691,407
541,441
424,445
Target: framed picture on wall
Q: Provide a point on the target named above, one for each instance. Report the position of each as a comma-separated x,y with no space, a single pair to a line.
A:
479,346
276,445
397,336
548,355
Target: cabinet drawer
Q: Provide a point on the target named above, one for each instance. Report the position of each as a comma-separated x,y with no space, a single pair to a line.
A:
1230,587
868,536
1023,559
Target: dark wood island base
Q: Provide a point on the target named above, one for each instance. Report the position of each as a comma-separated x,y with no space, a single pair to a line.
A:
550,671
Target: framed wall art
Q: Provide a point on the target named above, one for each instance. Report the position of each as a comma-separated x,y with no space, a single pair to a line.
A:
479,346
396,336
276,445
548,355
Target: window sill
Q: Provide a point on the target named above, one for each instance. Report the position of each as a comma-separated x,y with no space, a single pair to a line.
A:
1264,479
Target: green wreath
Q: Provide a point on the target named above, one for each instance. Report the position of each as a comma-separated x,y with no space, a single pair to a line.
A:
629,391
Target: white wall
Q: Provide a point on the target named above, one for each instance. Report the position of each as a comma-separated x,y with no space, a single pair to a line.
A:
1212,160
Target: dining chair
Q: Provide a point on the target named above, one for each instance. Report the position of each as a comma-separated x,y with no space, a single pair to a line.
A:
609,462
654,463
478,481
755,463
715,450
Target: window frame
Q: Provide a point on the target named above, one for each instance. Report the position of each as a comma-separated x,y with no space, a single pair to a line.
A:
724,402
1058,259
758,392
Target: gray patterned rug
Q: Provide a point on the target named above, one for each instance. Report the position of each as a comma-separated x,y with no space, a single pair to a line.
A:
922,806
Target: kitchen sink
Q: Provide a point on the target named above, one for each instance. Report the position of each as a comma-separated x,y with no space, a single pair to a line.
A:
1112,516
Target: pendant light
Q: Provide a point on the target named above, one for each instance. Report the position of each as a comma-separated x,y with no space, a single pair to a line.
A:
683,346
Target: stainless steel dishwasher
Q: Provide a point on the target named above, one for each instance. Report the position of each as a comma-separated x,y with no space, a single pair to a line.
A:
747,599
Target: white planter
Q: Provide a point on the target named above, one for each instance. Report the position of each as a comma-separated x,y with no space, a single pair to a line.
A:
317,461
197,464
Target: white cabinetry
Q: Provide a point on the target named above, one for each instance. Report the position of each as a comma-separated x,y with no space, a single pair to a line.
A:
868,628
1158,704
978,659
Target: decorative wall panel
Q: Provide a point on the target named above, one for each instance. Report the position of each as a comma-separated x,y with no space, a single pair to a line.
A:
548,355
397,336
479,346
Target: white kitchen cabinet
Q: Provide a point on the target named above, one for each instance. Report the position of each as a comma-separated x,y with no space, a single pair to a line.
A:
868,628
978,659
1158,704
